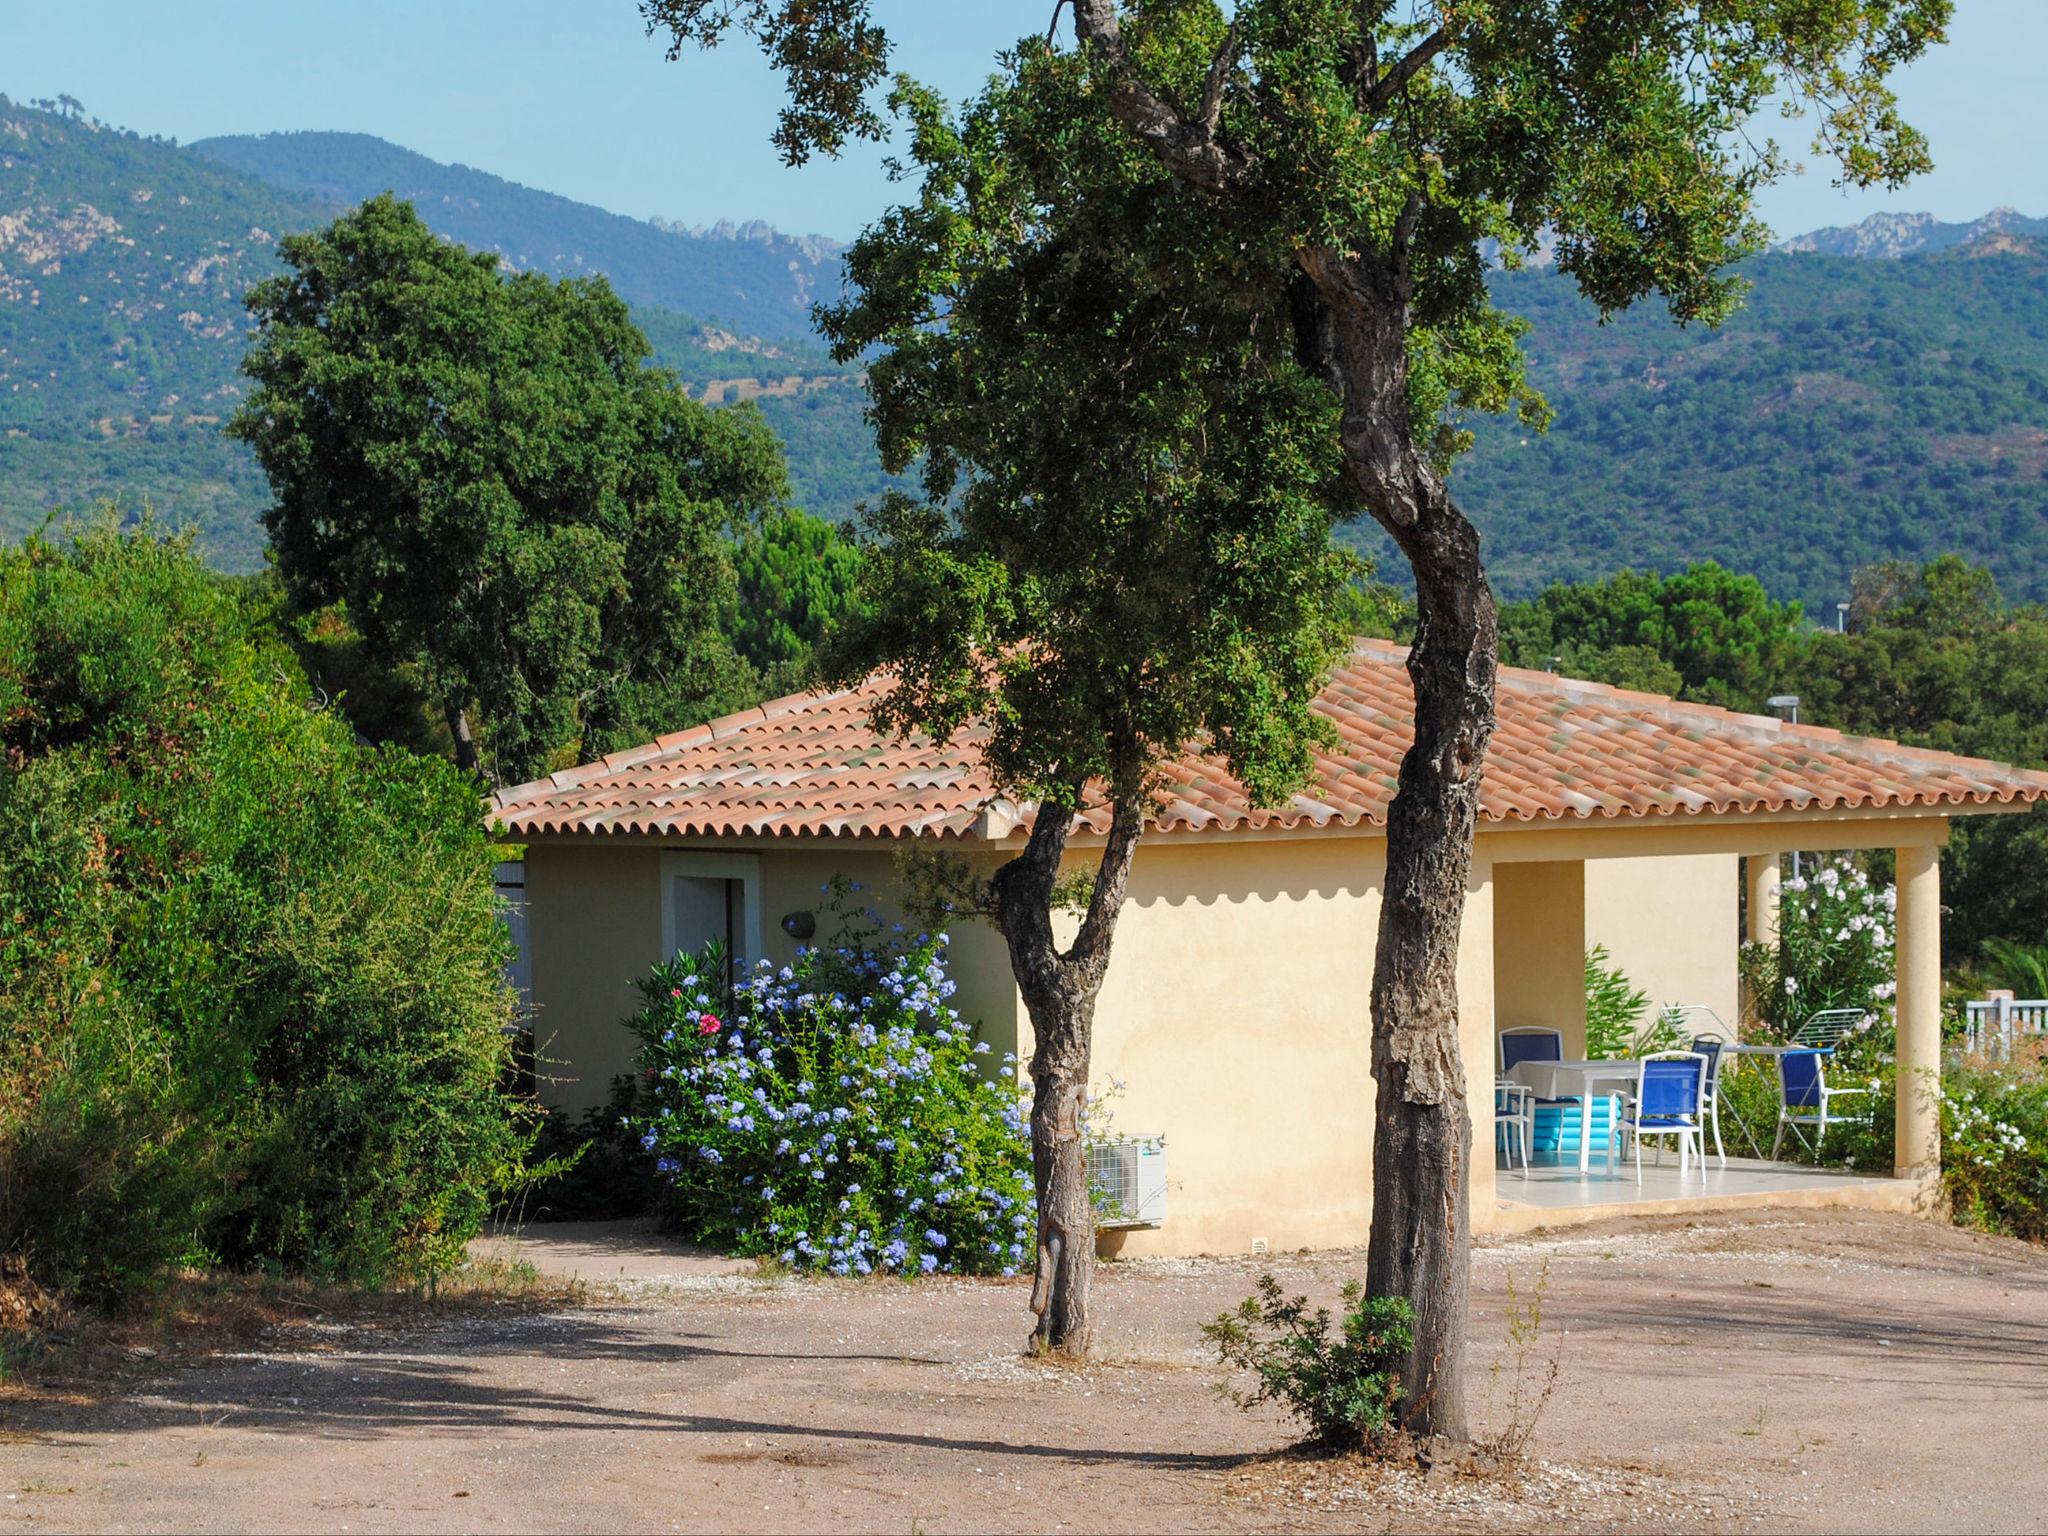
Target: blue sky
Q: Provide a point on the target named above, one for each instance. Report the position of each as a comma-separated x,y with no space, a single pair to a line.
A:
570,96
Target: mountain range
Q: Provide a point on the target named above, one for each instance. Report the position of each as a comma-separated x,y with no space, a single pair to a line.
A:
1855,409
748,278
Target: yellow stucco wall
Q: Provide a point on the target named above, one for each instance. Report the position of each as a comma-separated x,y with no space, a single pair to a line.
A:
1237,1008
1539,948
1236,1016
1672,925
593,923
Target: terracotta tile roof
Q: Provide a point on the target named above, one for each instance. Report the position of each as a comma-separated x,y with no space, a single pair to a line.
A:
810,765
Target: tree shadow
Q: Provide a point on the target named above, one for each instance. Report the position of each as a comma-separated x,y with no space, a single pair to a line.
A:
390,1389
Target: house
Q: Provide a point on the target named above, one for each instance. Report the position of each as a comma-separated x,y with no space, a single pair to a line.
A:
1236,1008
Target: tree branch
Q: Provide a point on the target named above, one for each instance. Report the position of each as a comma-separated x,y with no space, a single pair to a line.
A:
1112,876
1382,90
1191,151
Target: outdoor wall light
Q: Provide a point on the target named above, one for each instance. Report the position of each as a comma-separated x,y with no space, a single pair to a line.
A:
800,925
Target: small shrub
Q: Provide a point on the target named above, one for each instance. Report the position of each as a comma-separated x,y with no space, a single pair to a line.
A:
605,1171
1343,1385
834,1115
1994,1148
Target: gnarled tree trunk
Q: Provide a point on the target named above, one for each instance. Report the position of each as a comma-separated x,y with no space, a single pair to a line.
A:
1059,990
1353,325
1351,319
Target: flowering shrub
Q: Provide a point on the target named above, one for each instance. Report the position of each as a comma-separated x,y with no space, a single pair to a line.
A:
1834,950
834,1114
1994,1148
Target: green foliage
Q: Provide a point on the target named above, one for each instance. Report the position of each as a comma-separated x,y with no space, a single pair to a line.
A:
1096,570
1994,1147
251,990
1851,412
1703,633
834,1115
1614,1009
1834,950
798,582
1343,1386
2020,968
604,1173
505,495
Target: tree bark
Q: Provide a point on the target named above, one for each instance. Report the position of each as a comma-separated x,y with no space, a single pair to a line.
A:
1355,325
466,757
1059,990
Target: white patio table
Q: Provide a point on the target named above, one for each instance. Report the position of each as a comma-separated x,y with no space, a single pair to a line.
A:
1581,1080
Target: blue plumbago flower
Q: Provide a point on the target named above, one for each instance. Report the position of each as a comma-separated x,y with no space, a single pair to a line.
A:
935,1237
928,1263
710,1154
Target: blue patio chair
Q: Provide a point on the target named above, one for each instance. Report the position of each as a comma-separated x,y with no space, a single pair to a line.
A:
1532,1042
1514,1120
1710,1093
1804,1098
1529,1042
1666,1102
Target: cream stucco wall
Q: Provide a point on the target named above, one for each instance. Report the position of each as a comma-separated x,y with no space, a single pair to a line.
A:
1672,925
1235,1014
1237,1007
593,923
1539,948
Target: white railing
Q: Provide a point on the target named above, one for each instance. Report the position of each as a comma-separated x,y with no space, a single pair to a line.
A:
1992,1024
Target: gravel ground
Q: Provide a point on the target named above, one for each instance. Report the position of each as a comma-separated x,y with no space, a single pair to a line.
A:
1815,1371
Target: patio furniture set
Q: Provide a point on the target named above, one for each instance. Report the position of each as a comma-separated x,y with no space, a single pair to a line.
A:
1665,1094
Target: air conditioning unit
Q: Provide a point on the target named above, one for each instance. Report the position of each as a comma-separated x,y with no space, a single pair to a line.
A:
1128,1177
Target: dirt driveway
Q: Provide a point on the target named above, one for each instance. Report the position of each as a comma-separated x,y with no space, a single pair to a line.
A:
1788,1371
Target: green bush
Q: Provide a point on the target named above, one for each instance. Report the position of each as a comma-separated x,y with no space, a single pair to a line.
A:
604,1173
1345,1385
834,1114
1994,1148
1834,950
251,996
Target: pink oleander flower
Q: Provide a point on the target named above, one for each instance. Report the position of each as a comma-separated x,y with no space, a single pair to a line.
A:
707,1024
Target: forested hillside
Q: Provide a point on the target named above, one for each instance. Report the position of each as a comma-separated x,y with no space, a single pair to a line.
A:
749,278
123,261
1852,411
122,267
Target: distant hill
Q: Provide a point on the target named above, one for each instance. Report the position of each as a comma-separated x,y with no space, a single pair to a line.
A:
122,267
1851,411
123,261
1890,236
749,277
1854,410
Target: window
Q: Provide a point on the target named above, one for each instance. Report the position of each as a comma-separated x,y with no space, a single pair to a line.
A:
706,896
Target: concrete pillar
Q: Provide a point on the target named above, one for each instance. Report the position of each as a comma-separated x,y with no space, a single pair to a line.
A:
1761,872
1475,1032
1918,1007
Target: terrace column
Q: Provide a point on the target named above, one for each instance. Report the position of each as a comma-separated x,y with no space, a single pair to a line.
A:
1761,871
1918,1009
